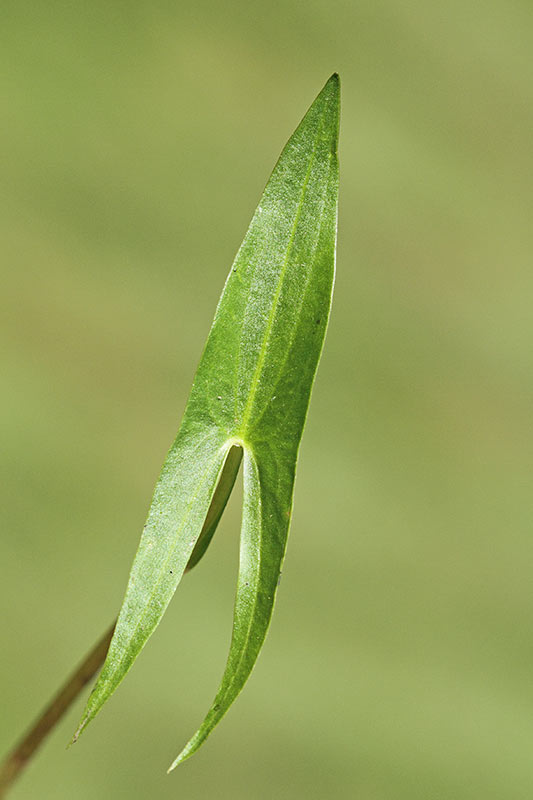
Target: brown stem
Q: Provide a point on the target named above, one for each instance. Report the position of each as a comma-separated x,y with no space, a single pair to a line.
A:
15,762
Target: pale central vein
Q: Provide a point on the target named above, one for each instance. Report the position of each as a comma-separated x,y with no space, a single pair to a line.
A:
272,313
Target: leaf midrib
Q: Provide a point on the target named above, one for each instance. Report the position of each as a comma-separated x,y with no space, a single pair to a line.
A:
304,295
272,313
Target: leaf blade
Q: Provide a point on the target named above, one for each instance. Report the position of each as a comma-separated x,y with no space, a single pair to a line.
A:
265,341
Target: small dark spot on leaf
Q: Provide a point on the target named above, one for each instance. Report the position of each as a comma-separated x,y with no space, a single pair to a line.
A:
318,321
171,572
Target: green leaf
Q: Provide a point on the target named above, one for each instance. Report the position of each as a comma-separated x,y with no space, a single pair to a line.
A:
250,396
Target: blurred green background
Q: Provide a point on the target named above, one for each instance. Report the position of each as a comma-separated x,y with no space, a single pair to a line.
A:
135,142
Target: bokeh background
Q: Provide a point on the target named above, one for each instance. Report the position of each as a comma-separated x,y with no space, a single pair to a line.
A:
136,138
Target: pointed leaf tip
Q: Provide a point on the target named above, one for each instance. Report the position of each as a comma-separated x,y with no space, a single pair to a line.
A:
190,748
331,88
330,96
333,83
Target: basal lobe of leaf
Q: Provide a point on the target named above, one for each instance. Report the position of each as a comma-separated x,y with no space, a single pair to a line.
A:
146,600
264,342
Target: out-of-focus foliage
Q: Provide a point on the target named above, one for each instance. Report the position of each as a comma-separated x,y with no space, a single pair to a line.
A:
400,662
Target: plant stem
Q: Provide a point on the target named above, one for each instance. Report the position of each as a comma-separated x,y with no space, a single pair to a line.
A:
15,762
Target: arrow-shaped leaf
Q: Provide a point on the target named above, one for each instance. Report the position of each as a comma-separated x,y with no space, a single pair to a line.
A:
250,396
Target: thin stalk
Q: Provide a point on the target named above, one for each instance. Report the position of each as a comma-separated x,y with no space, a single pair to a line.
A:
15,761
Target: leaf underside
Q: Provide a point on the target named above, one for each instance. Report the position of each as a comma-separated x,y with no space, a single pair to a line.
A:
249,398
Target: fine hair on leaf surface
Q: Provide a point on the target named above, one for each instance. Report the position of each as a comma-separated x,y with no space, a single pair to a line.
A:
248,402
